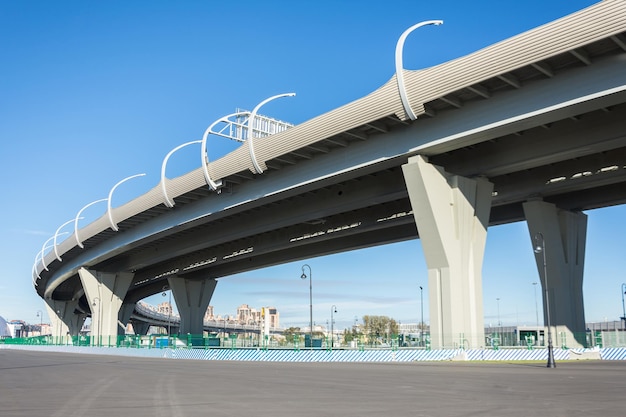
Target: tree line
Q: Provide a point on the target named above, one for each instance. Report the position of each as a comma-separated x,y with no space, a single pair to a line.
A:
372,328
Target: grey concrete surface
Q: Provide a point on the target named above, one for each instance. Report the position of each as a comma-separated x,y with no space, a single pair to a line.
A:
72,385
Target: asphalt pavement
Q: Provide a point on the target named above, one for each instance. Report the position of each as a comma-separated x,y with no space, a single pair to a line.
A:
71,385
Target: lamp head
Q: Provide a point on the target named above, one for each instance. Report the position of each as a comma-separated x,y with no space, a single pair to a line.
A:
303,276
538,249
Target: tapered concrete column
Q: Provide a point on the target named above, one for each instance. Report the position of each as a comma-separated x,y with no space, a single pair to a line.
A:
60,313
65,320
452,214
126,310
140,327
105,293
192,296
565,235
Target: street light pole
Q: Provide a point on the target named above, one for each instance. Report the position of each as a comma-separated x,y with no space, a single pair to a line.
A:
536,312
333,309
251,128
422,316
400,67
623,307
499,323
169,315
304,276
40,315
540,247
99,321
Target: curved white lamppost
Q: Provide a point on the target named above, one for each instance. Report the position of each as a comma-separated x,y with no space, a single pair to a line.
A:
170,203
110,213
46,246
35,274
38,257
399,66
214,185
251,119
78,241
56,252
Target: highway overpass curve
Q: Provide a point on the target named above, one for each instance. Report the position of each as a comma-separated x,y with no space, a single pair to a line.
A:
549,126
144,314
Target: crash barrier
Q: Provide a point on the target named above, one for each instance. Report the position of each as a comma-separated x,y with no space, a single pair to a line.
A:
338,355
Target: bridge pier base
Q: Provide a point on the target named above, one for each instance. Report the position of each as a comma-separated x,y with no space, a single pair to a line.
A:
59,318
452,214
126,311
105,293
64,321
192,296
564,234
141,328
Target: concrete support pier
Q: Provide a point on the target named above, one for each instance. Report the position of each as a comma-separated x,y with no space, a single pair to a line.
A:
60,313
141,328
192,296
105,293
124,315
564,233
452,214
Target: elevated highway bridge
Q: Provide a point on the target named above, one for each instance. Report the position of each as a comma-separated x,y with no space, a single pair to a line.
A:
145,315
532,128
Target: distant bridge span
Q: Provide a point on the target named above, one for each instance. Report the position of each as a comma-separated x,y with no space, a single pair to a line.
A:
145,315
532,128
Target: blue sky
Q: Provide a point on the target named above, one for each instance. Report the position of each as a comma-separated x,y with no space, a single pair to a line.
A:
93,92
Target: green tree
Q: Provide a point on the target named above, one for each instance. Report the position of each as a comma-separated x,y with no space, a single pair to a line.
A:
348,335
288,333
378,328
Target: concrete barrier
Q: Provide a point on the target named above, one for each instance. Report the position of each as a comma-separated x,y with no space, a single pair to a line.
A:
339,355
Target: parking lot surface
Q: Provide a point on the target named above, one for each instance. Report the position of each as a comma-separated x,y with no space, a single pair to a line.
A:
62,384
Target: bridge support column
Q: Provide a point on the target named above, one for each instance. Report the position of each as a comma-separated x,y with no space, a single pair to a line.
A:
64,319
192,296
452,214
105,293
141,328
126,310
564,233
60,313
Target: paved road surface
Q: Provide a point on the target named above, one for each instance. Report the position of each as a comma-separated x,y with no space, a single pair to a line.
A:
36,384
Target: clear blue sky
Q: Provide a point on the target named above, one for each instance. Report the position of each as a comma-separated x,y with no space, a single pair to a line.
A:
93,92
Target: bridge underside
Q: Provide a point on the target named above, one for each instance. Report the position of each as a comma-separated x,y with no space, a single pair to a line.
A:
375,209
551,149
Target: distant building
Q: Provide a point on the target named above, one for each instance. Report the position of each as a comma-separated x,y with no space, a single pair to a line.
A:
165,308
209,314
4,328
274,316
409,328
17,328
248,315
